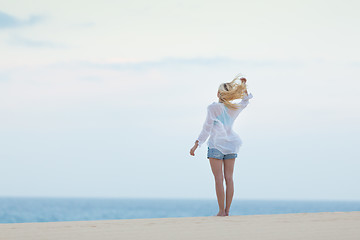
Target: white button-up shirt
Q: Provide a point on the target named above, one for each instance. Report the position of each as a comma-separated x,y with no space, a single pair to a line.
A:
218,125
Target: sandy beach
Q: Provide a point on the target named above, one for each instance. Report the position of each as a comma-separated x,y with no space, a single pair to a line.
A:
324,225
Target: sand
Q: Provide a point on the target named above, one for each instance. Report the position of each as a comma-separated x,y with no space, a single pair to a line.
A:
305,226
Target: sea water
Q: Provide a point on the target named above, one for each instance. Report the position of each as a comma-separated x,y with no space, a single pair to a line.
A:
21,210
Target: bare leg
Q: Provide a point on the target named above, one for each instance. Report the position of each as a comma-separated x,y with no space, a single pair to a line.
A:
216,167
228,172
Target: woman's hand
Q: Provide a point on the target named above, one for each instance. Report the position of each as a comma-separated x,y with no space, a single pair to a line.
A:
243,80
192,150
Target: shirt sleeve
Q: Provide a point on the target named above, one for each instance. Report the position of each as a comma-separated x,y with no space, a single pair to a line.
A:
245,101
207,126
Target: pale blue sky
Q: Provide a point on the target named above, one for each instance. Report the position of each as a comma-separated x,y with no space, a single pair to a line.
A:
106,99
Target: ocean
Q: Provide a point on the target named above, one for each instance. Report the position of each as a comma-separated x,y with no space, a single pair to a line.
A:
23,210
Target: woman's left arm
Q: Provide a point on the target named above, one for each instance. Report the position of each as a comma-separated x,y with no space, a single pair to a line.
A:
205,132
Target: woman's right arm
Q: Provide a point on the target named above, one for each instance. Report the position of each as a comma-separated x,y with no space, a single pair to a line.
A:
245,101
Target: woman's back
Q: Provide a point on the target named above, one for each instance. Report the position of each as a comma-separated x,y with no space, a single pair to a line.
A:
218,125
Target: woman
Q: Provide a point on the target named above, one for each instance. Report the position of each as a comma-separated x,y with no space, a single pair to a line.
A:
224,143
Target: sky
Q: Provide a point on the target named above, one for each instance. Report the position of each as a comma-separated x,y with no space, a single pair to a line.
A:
105,99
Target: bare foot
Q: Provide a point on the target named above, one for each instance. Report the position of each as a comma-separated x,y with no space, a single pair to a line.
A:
221,213
226,213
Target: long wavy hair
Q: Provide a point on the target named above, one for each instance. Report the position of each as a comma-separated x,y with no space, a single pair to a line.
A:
229,91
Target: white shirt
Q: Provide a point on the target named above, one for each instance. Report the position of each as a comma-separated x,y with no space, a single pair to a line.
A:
218,125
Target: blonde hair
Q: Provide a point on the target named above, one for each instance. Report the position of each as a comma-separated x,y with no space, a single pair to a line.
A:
232,90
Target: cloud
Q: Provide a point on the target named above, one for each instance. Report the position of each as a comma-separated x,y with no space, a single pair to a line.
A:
8,21
21,41
85,24
4,77
119,65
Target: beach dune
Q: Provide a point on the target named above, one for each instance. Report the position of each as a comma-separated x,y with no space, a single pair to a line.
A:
324,225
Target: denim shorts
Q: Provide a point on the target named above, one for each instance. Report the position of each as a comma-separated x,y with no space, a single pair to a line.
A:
214,153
